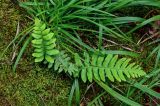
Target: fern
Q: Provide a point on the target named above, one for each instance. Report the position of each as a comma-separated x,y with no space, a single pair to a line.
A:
93,67
102,67
44,43
62,63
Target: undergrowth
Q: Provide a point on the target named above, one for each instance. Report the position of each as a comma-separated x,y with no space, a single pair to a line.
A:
95,43
30,85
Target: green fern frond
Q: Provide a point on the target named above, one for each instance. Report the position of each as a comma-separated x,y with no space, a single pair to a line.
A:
102,67
62,63
44,43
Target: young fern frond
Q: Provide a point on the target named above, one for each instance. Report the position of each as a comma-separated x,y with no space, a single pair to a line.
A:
62,63
102,67
44,43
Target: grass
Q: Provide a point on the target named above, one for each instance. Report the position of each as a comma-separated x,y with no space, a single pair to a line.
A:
31,85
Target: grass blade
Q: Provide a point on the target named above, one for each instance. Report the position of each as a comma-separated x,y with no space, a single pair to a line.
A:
77,92
95,99
100,38
146,89
71,95
25,32
155,18
76,40
21,52
132,54
117,95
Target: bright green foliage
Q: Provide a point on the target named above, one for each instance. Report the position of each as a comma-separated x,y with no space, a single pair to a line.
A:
102,67
43,42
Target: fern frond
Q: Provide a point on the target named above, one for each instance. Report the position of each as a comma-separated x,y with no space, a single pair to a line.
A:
102,67
44,43
62,63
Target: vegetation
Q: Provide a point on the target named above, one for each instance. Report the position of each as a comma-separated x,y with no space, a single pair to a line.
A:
31,84
95,42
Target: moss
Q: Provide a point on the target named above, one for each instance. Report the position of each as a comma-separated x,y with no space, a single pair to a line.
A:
34,88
